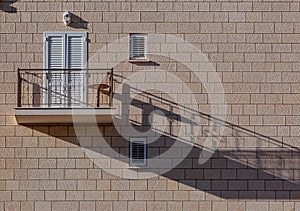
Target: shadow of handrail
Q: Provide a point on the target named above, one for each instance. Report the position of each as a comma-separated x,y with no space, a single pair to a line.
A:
202,115
259,173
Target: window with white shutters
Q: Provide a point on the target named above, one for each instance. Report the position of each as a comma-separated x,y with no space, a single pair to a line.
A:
138,152
65,51
138,46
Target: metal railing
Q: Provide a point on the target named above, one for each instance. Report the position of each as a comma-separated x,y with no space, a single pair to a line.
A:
64,88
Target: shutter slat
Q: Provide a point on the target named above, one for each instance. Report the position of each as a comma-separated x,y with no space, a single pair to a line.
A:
75,49
56,52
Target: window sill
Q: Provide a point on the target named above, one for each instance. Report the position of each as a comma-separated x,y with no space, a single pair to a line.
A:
139,60
138,167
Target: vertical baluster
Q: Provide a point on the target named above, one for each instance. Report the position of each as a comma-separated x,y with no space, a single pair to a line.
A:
19,103
98,90
111,87
28,90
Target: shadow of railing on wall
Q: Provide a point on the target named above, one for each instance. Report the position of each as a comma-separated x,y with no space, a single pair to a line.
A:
248,165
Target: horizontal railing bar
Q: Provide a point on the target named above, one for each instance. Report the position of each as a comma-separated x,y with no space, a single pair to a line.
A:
63,73
64,69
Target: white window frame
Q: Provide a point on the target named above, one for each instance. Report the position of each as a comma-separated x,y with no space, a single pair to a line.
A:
132,44
140,141
65,57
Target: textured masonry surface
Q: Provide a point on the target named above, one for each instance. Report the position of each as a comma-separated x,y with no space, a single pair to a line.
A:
255,49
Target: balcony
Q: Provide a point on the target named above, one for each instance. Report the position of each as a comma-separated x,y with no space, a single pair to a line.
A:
59,95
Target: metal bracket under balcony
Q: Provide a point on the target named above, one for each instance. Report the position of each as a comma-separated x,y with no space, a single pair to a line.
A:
62,95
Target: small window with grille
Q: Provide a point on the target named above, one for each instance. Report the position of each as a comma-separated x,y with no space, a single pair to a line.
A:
138,152
138,46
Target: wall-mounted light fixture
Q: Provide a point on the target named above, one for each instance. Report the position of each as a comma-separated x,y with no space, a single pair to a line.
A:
67,18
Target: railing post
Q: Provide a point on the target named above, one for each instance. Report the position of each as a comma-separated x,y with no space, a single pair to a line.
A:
19,102
111,87
98,96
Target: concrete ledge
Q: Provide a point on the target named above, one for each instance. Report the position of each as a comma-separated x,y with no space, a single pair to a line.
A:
139,61
64,115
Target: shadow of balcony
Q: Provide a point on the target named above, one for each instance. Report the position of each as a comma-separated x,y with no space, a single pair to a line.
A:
255,167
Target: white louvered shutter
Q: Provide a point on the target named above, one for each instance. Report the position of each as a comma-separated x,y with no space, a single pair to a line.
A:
138,46
138,152
76,77
55,59
65,51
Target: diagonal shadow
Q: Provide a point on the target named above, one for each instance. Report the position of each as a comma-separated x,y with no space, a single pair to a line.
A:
229,174
78,22
6,6
256,172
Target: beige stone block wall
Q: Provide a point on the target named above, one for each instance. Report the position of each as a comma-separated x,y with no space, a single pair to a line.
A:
254,47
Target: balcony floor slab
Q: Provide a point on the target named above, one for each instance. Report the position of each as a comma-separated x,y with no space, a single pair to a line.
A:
40,115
